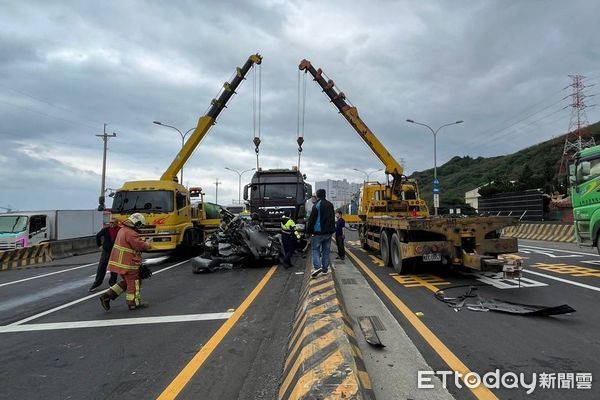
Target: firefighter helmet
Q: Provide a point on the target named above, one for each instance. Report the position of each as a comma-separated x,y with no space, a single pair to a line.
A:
137,219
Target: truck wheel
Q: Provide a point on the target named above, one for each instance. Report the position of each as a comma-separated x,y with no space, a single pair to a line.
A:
396,255
384,248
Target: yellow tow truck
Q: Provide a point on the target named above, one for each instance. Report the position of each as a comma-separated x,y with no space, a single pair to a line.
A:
173,218
396,222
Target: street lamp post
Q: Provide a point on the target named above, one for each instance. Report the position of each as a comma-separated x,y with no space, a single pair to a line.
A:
435,181
368,173
239,181
183,135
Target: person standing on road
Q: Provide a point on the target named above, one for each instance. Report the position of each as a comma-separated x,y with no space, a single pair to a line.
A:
105,239
340,223
321,224
289,238
125,260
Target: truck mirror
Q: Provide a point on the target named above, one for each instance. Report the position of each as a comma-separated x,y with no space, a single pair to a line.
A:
572,169
585,167
245,192
572,179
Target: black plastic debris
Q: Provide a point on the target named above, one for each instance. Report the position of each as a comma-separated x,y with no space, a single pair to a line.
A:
474,302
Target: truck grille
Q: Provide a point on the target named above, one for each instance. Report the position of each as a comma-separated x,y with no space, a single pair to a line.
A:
7,246
148,230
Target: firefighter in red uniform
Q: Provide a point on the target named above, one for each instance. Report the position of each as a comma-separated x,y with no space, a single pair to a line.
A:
125,259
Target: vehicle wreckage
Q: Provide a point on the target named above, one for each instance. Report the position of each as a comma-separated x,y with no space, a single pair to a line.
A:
237,243
475,302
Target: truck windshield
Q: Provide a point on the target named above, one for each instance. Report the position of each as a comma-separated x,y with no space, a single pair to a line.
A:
594,170
279,192
13,223
143,200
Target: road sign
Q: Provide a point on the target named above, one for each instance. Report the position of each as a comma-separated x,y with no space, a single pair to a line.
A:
436,200
436,182
436,190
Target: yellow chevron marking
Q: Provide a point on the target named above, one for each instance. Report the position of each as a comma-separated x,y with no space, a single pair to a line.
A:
305,332
345,390
363,376
306,382
305,353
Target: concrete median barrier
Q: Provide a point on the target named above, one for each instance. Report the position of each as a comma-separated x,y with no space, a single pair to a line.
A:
72,247
542,231
26,257
323,359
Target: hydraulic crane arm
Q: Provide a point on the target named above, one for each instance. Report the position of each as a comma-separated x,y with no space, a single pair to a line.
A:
207,121
392,167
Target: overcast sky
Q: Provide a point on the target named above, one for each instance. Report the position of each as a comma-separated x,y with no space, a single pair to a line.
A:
68,67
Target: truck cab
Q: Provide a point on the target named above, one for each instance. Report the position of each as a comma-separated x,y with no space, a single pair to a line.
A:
274,192
584,177
172,219
18,230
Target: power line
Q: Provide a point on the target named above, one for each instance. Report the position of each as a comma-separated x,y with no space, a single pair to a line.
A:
45,102
46,114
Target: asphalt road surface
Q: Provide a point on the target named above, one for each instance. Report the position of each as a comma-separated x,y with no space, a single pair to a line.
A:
562,351
218,335
223,335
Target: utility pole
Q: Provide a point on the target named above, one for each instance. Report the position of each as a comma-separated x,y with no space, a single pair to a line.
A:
217,183
104,137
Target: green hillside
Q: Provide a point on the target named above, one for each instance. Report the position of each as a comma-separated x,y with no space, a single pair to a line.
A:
540,163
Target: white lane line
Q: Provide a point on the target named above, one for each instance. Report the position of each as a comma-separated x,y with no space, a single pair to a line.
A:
51,273
583,285
562,251
114,322
36,316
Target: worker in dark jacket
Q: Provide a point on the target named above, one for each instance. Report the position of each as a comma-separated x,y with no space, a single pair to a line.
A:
321,225
105,239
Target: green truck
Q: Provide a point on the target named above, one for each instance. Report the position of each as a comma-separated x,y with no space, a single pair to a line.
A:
584,177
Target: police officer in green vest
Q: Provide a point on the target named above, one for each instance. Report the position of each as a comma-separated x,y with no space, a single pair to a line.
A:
289,236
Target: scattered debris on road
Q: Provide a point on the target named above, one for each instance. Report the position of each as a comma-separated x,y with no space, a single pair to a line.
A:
369,332
482,304
236,244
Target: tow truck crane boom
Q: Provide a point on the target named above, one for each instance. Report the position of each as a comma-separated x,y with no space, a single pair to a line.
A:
206,121
392,167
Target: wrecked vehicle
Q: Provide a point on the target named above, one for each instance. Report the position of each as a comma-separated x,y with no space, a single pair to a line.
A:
237,243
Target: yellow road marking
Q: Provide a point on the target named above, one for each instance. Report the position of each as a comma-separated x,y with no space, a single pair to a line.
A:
182,379
376,260
428,281
572,270
480,392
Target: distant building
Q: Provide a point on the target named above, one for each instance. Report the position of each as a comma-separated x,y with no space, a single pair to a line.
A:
338,192
472,198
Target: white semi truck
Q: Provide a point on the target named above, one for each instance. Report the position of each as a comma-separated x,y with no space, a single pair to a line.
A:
29,228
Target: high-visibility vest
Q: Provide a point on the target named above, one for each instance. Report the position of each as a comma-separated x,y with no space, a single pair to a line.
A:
289,227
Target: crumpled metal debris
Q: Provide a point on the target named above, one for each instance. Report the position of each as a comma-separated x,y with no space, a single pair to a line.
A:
482,304
237,243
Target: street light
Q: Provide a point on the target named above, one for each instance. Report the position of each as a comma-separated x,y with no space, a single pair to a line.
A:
183,135
435,181
240,181
367,173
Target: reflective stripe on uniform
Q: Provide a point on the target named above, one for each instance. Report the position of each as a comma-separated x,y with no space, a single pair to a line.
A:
117,289
124,249
124,266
